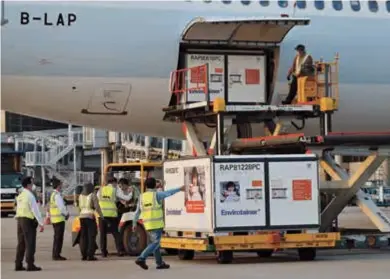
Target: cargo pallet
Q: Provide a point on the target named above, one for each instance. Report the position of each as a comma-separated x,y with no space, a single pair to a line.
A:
263,243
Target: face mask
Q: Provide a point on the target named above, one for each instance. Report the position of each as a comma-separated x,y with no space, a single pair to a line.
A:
34,188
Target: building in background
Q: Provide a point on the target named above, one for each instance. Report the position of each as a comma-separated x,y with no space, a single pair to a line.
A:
14,123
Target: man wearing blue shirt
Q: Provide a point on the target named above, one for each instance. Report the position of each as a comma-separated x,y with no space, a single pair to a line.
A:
151,211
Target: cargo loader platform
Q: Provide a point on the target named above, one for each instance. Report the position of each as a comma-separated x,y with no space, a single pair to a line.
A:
239,189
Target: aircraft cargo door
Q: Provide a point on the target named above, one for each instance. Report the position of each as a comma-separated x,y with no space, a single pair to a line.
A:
246,78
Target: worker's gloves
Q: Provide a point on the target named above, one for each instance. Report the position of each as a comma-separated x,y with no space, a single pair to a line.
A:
67,217
288,77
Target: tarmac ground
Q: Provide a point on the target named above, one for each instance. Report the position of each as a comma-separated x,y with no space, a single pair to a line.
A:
329,263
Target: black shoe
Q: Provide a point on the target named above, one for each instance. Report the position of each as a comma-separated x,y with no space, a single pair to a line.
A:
20,268
163,266
90,259
142,264
84,258
121,254
59,258
285,103
104,254
34,268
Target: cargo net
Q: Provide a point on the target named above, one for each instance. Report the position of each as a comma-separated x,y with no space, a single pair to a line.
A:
189,82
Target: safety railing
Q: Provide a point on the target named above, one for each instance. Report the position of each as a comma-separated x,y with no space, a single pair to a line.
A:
324,84
188,82
47,158
37,158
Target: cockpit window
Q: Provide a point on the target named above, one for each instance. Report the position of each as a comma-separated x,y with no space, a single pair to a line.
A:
355,6
301,4
388,6
245,2
226,1
337,5
283,3
319,4
373,6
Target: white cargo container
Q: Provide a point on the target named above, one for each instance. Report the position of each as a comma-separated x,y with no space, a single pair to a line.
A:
216,76
243,193
238,78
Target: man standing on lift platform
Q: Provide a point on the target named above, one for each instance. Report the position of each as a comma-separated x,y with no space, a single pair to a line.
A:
302,67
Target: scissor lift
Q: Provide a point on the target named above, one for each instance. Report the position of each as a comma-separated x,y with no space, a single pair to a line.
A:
317,98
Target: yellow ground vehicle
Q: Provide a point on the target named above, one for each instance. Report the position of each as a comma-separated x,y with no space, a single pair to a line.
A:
136,172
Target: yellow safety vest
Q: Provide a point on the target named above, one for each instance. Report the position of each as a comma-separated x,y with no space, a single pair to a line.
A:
107,200
55,213
85,205
299,63
23,208
152,213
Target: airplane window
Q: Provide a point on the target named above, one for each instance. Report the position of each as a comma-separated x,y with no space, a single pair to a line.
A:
207,1
373,6
355,6
283,3
245,2
226,1
337,5
319,4
264,3
301,4
388,6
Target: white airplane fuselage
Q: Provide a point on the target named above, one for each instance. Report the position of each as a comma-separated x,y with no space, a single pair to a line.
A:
53,71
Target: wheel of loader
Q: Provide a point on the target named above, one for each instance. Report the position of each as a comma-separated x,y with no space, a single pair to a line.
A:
265,253
186,255
171,252
307,254
134,242
224,257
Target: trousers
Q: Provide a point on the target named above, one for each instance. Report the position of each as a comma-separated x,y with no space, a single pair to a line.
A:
58,239
293,90
88,232
110,225
153,247
27,236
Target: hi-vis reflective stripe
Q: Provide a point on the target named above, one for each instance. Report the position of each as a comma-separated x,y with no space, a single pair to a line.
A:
110,209
153,220
299,63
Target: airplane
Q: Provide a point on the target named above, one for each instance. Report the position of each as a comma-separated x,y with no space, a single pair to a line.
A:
62,59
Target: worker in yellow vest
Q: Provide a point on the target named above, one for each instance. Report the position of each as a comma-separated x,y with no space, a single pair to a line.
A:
88,204
151,211
302,66
108,196
58,215
28,218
